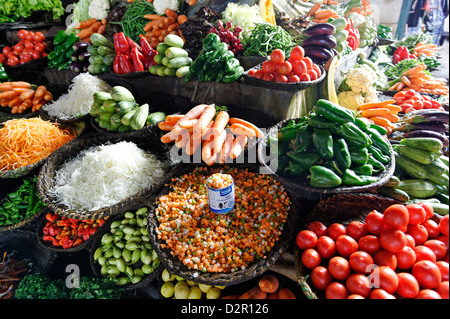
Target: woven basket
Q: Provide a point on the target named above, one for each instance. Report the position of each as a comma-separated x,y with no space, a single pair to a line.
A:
148,279
5,115
300,187
44,114
65,153
22,171
342,208
148,129
176,267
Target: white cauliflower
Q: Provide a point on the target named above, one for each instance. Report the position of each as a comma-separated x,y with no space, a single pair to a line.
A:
162,5
361,79
98,9
357,18
350,99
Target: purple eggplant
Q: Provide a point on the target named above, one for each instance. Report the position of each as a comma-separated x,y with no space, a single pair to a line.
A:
84,56
319,29
439,127
74,57
324,40
437,116
76,66
427,133
81,46
318,53
85,66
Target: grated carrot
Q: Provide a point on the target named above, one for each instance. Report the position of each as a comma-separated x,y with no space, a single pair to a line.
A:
26,141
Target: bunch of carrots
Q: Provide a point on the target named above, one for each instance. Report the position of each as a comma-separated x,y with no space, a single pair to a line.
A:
160,26
381,113
87,27
425,48
219,136
365,9
268,288
411,101
321,16
417,79
21,96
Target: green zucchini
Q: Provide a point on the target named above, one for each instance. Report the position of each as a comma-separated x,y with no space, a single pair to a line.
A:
437,167
126,118
411,167
155,117
440,179
425,143
154,69
116,119
174,40
182,72
120,93
96,60
394,193
158,58
124,107
179,62
140,117
99,40
416,154
170,72
417,188
175,52
104,50
109,59
441,209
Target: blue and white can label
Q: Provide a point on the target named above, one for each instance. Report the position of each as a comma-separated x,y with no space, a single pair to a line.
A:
221,201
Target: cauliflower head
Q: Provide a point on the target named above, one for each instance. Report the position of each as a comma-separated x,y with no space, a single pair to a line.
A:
350,100
98,9
361,79
161,5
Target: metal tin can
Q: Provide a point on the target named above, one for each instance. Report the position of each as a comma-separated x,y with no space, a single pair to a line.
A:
221,200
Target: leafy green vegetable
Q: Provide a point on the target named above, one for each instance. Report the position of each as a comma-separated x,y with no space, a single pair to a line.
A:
411,41
265,38
38,286
24,8
96,288
80,13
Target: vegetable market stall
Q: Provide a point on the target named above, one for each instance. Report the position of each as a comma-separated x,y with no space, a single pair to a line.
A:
309,108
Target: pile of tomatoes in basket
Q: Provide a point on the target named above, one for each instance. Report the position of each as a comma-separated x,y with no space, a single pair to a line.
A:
31,46
400,253
298,68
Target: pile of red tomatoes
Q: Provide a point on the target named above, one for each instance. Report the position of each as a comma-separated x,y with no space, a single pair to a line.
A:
298,68
400,253
31,46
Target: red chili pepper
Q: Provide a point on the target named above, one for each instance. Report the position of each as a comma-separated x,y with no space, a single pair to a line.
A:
137,63
77,242
53,231
116,65
47,238
121,44
67,243
125,64
150,59
146,47
133,44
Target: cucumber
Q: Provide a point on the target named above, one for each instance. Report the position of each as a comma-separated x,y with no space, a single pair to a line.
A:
165,61
155,117
411,167
160,70
116,119
440,179
170,72
119,93
443,198
140,117
92,50
104,50
158,58
441,209
96,60
109,59
339,23
162,47
95,68
437,167
153,69
392,182
416,154
341,36
417,188
174,40
126,118
113,126
124,107
182,72
108,106
425,143
105,117
124,128
179,62
99,40
394,193
175,52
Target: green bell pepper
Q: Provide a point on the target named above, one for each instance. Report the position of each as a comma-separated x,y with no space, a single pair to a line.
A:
354,136
378,154
323,142
342,153
320,122
211,42
323,177
296,169
219,51
60,38
379,141
366,169
305,159
234,76
334,112
351,179
359,155
302,139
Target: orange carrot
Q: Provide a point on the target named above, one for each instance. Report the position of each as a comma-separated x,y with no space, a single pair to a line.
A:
238,146
94,28
285,293
170,13
14,101
314,9
391,117
9,94
174,118
152,16
220,122
28,94
173,27
193,113
219,140
258,132
375,104
85,24
192,2
381,121
206,117
418,68
48,96
102,29
254,293
182,19
169,20
226,148
239,129
84,34
193,144
40,91
208,154
374,112
323,14
182,139
20,84
165,126
269,283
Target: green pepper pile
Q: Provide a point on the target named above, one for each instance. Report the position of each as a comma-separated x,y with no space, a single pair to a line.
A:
21,204
332,147
384,32
3,75
60,57
215,62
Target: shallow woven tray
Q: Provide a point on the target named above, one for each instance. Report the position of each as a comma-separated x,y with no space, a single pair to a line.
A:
342,208
148,279
45,178
176,267
5,114
290,86
300,187
22,171
44,114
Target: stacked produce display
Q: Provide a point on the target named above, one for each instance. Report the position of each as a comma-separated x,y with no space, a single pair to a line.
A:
96,110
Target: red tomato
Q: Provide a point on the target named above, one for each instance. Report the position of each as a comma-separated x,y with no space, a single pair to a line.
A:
326,247
417,214
268,67
318,71
392,239
443,225
305,77
6,50
25,58
18,47
408,286
396,216
258,74
418,232
306,239
339,267
360,262
309,63
300,68
336,290
438,247
317,227
442,289
428,209
359,284
335,230
281,78
12,60
321,277
443,239
380,294
369,244
2,58
405,258
427,273
277,56
312,74
251,72
293,78
374,222
384,277
428,294
356,230
385,258
268,77
443,267
39,36
355,296
410,241
30,36
285,68
297,53
36,55
29,45
311,258
22,34
432,228
346,245
424,253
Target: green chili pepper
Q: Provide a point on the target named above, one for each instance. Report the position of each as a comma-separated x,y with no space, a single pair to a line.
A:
375,163
295,169
354,136
366,169
302,139
323,142
321,122
334,112
342,153
350,178
211,42
379,141
237,73
359,155
378,155
304,159
323,177
362,123
379,128
60,38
